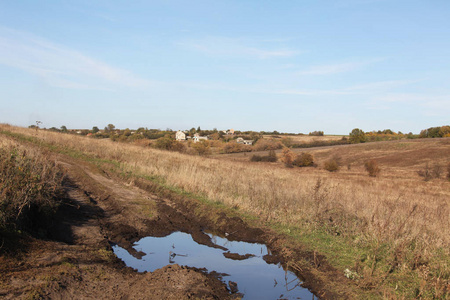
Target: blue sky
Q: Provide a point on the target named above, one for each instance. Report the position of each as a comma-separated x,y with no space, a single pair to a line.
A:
291,66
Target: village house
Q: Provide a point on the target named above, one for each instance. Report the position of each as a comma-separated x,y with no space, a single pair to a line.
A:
229,132
180,136
240,140
198,138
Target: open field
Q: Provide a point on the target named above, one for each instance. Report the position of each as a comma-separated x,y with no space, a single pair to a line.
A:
391,231
306,139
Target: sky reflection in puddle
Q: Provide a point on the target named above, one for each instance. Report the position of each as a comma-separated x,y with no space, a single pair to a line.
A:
254,277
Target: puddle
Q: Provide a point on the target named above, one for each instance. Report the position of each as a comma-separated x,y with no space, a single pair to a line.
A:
243,265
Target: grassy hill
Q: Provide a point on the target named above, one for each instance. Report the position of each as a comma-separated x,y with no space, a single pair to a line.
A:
389,234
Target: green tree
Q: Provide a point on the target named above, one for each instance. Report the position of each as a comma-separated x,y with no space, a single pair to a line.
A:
95,129
64,129
357,136
110,128
127,132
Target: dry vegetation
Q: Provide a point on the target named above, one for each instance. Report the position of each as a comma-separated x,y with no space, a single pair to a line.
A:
403,219
30,187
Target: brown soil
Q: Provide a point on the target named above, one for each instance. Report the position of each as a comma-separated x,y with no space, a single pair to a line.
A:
75,260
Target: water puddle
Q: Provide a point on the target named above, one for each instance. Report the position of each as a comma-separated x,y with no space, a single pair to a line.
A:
238,262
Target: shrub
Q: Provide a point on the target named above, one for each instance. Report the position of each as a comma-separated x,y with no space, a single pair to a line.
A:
331,165
304,160
202,148
316,133
271,157
234,147
267,144
256,158
429,173
372,167
168,143
425,173
287,141
287,157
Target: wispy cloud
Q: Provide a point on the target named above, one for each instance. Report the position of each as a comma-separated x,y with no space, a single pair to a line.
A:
338,68
224,46
438,105
60,66
361,89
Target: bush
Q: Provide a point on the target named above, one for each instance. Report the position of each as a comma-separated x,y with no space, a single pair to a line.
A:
256,158
234,147
316,133
304,160
267,144
288,157
429,173
167,143
331,165
271,157
372,167
31,187
202,147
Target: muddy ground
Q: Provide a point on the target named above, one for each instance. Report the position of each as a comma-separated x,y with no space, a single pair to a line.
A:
73,259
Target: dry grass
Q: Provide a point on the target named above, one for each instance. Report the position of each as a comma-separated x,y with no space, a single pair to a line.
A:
397,207
288,195
307,139
30,184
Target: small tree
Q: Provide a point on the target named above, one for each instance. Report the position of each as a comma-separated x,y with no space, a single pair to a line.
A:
288,157
63,128
95,129
110,128
372,167
357,136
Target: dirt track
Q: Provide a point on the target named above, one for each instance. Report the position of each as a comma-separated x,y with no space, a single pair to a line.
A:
76,261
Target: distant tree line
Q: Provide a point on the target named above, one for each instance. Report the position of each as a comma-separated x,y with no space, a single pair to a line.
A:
435,132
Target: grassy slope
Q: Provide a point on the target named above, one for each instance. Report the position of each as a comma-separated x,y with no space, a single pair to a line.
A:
367,225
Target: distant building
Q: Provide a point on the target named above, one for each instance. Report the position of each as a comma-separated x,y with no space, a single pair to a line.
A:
180,136
229,131
198,138
240,140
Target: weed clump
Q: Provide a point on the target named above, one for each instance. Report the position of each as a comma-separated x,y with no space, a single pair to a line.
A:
331,165
372,167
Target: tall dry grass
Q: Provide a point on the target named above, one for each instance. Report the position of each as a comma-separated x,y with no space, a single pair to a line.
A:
30,187
382,208
409,215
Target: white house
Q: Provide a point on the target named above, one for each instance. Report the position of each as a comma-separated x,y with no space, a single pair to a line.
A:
198,138
180,136
240,140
